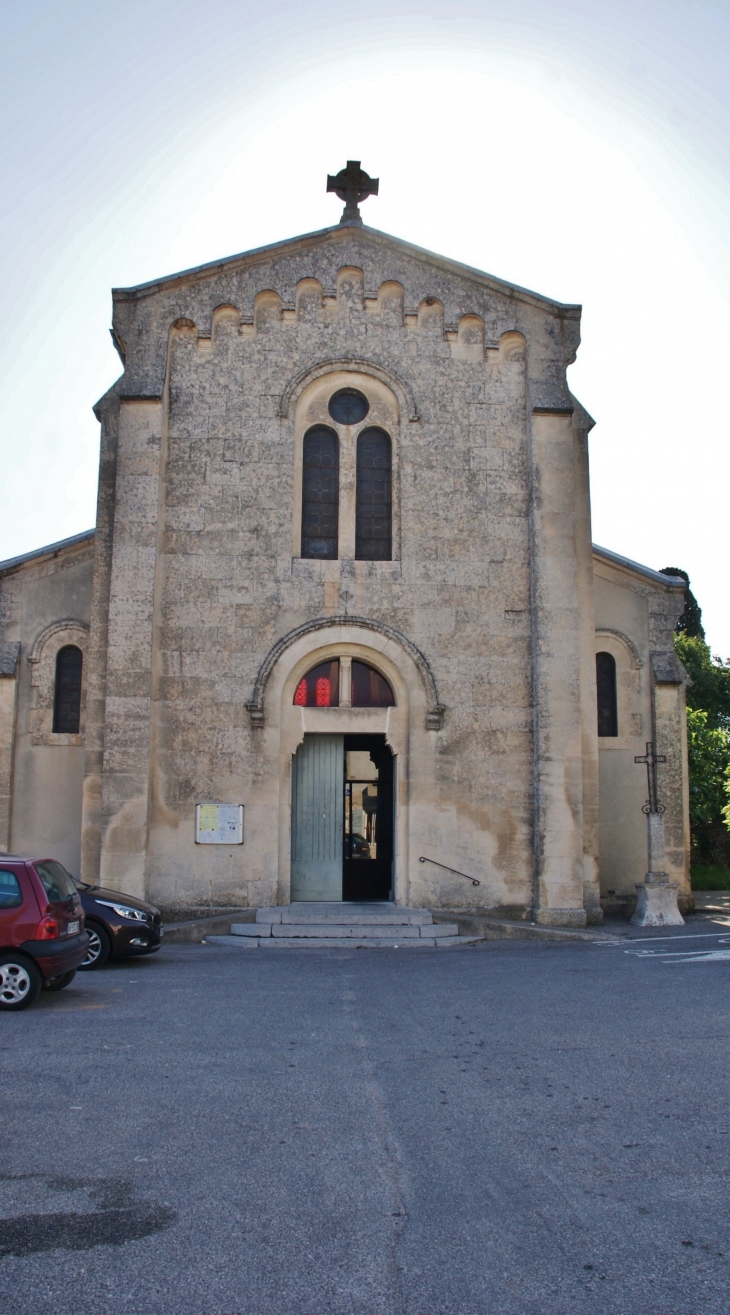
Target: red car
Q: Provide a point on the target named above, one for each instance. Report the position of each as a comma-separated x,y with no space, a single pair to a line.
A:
42,937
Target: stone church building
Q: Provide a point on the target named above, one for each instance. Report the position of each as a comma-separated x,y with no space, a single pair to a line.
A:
340,631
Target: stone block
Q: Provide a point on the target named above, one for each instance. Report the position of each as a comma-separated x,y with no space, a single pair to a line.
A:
269,915
361,931
250,929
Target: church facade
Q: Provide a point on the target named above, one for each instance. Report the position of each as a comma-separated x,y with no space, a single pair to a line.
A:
341,629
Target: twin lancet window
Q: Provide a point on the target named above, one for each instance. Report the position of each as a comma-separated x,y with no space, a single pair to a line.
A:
321,687
321,484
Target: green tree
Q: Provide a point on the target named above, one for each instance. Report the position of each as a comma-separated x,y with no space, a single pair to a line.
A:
708,732
710,688
709,768
690,622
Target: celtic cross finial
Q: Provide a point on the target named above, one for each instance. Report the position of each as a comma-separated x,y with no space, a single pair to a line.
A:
352,185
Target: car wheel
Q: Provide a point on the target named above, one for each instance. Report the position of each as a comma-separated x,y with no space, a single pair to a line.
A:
58,983
98,949
20,981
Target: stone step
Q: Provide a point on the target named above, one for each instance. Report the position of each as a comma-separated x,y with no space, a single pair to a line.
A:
345,914
303,930
341,942
366,931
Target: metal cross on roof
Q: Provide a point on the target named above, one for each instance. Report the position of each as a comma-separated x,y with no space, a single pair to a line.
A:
651,759
352,185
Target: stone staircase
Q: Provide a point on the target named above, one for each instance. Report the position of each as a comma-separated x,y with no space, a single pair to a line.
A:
343,926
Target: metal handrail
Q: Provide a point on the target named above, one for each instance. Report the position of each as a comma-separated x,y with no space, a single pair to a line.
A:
446,868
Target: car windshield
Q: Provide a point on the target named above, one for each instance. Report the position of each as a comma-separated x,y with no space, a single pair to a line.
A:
57,883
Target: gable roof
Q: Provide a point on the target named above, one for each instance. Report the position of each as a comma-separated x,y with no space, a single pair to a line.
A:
338,232
657,577
50,550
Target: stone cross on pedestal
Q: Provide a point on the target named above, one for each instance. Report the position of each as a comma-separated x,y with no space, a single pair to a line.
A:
352,185
656,896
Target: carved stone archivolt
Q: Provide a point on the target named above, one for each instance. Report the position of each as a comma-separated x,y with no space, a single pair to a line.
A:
434,709
402,391
42,660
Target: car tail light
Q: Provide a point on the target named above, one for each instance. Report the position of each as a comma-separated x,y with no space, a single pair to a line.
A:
47,929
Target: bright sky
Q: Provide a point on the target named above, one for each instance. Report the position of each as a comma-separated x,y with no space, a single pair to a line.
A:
577,147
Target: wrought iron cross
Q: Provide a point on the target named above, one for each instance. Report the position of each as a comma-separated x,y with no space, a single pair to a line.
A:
352,185
651,759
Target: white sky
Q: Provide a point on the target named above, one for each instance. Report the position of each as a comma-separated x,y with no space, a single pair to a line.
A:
580,149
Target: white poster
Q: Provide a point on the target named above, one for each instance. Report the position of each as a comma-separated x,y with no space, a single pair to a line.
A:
219,824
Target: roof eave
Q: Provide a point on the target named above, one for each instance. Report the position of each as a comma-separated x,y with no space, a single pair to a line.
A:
50,550
657,577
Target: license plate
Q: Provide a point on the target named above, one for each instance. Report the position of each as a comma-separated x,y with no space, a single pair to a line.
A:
73,928
162,931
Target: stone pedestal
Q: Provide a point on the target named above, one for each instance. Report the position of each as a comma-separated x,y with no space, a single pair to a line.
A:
656,896
656,904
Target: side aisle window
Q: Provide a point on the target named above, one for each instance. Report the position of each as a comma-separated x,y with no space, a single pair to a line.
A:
606,691
67,694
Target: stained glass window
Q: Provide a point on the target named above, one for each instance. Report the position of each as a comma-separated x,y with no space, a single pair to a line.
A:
369,688
320,492
348,407
606,691
320,688
67,698
373,511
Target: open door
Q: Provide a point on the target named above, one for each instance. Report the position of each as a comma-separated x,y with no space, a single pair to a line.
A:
367,866
316,836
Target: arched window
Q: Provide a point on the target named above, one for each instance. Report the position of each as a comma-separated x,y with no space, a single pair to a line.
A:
369,688
67,694
320,492
606,691
373,541
320,688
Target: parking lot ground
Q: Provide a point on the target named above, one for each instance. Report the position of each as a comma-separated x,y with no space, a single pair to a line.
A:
511,1129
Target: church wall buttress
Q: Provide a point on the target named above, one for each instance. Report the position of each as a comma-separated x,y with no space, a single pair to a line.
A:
556,648
126,763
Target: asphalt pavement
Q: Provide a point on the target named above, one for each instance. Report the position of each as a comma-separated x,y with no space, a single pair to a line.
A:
511,1129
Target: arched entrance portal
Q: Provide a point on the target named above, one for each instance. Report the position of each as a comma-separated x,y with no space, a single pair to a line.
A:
342,818
352,686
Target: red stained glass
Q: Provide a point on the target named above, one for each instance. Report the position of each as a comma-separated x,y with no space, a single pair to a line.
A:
320,688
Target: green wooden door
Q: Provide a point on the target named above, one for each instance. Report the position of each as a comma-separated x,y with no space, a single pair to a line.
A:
317,817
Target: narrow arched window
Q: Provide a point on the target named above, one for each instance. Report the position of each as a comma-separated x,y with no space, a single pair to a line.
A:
320,492
67,695
373,535
606,691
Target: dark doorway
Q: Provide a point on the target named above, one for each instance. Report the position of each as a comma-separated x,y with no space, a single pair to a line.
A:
367,863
